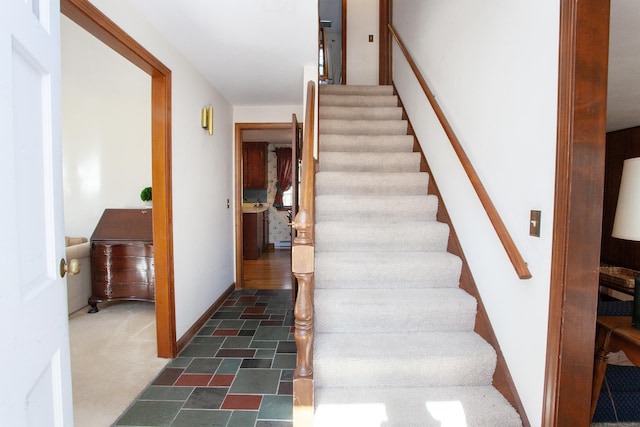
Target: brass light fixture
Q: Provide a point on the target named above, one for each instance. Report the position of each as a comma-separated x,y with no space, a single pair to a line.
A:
206,119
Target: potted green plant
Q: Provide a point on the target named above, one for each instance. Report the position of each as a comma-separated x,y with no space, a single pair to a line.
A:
145,195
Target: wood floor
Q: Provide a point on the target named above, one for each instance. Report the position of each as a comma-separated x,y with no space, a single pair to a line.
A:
271,271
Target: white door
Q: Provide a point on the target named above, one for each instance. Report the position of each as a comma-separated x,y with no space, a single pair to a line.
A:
35,378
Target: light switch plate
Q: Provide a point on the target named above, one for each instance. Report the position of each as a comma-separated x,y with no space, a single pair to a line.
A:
534,224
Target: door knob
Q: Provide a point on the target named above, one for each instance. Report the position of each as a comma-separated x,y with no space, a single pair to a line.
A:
72,268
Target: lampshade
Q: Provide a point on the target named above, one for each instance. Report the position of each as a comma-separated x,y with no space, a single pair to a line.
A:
626,224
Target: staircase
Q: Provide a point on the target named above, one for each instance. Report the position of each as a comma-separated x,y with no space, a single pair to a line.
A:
394,342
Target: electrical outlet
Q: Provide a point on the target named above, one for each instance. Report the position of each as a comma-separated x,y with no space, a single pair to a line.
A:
534,224
228,204
370,38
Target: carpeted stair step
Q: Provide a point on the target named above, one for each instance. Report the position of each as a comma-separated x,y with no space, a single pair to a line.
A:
414,359
397,270
369,162
372,183
355,90
376,310
393,343
344,236
360,113
375,208
413,407
369,143
358,101
363,127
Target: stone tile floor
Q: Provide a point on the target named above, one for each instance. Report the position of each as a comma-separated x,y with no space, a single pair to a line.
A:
237,371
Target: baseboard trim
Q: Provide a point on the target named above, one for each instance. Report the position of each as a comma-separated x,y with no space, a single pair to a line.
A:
193,330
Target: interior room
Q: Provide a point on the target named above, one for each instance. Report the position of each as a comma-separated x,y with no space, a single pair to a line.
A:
267,195
620,248
107,163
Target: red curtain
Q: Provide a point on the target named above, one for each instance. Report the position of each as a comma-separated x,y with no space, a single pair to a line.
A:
284,166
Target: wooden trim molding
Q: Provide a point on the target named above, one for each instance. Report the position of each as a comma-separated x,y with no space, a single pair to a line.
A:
344,42
95,22
582,90
384,40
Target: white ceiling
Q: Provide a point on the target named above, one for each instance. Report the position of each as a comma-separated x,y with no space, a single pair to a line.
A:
252,51
257,60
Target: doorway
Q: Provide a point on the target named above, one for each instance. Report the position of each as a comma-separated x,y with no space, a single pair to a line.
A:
333,41
94,22
269,266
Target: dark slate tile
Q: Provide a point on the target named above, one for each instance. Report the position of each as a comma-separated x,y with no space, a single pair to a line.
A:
263,423
231,324
247,332
202,418
226,315
150,413
205,365
271,323
276,408
287,375
234,352
198,350
272,333
206,398
166,393
256,381
168,376
284,361
243,418
286,347
285,388
256,363
237,342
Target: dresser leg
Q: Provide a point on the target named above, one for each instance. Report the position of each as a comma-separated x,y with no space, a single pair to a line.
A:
94,305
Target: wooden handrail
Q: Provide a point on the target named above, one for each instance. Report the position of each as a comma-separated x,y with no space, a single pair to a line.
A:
302,266
503,234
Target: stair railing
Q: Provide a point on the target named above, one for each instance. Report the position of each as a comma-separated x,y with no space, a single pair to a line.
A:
503,234
302,265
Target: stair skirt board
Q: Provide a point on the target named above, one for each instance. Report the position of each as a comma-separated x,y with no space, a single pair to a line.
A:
394,340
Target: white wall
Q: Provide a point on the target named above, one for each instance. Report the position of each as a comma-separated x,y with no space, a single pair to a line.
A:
201,173
362,56
493,66
106,130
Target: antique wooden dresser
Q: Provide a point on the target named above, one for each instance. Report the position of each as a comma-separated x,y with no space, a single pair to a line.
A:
122,257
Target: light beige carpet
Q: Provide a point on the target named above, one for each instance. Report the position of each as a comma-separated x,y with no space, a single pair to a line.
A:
113,358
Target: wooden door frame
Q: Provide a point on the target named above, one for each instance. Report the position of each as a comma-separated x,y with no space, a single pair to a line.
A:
95,22
581,135
239,128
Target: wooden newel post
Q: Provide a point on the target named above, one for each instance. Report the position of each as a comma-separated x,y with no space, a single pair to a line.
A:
304,326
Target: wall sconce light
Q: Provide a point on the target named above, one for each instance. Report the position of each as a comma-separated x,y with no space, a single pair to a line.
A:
207,119
626,224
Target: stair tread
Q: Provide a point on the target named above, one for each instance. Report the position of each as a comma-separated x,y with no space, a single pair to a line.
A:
423,310
372,208
366,270
411,359
358,100
366,143
370,162
413,406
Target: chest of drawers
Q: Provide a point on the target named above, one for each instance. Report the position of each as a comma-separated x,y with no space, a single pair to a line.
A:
122,257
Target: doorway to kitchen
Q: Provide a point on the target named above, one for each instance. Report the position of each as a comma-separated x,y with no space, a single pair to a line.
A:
266,198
